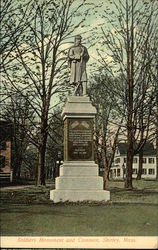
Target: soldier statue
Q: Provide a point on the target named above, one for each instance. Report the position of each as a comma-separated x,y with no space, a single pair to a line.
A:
78,57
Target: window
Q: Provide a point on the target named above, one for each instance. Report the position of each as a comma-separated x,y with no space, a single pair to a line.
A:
114,172
134,171
144,171
117,160
151,160
144,160
151,171
118,172
134,160
3,145
125,160
2,161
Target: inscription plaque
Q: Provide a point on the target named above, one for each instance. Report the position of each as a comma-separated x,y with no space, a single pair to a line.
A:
79,139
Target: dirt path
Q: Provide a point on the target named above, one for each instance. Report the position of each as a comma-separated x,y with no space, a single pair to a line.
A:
15,187
21,187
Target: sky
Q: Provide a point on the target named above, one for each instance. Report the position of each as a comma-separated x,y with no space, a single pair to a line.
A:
91,28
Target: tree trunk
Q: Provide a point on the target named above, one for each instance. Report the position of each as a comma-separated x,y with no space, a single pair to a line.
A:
140,165
42,152
129,168
157,156
128,181
110,161
15,169
157,134
130,72
41,165
19,168
105,172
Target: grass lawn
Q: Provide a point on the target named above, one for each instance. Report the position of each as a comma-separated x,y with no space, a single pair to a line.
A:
29,212
84,220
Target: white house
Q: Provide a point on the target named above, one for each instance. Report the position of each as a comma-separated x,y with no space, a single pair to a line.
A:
119,165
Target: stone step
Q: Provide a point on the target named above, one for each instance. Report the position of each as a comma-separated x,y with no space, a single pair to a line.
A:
78,171
79,164
82,182
79,195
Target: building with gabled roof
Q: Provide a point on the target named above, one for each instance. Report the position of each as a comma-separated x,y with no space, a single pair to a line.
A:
118,168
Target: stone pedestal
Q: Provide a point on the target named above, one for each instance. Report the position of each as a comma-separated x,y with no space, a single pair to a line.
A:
79,180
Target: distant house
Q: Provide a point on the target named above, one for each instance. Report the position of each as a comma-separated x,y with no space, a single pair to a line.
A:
6,133
120,159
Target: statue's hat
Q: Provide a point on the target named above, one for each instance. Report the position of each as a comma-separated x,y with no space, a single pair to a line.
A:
78,36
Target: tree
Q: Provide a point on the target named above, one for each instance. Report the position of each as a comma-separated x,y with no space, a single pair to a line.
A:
157,131
131,28
30,162
108,121
12,28
154,74
55,143
40,62
17,112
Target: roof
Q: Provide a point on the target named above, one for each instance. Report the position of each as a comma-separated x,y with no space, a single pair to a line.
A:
6,130
148,148
122,147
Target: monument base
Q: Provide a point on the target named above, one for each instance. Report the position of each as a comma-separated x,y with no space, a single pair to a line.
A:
79,181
